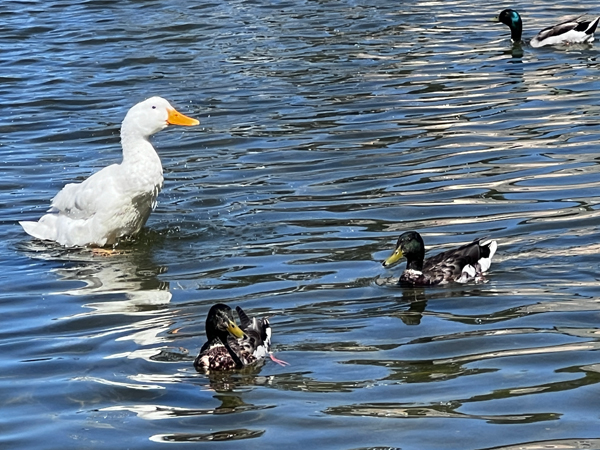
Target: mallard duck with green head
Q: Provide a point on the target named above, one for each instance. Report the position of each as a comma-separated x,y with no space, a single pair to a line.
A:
576,31
463,264
230,346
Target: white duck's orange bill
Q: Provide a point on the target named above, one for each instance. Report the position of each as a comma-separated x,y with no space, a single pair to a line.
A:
176,118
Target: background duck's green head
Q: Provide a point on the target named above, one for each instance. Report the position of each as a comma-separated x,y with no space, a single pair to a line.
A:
220,323
512,19
410,245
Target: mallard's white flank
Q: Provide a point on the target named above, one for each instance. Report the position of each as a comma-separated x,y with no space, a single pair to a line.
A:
576,31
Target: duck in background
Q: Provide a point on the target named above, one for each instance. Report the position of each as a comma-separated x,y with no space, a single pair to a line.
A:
231,347
463,264
574,31
116,201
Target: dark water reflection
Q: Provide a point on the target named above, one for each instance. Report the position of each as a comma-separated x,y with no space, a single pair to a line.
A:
327,130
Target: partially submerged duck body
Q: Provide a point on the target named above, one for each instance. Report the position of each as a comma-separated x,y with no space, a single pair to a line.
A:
116,201
577,31
466,263
230,347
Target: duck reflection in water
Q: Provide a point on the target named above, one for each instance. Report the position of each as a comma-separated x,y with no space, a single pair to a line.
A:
128,276
128,283
417,303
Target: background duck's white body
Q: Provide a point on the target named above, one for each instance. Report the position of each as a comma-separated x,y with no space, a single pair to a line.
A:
117,200
569,32
577,31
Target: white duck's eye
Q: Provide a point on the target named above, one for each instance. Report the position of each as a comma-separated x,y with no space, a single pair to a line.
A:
153,107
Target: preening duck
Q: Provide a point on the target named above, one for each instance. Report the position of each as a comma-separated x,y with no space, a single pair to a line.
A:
116,201
574,31
231,347
468,262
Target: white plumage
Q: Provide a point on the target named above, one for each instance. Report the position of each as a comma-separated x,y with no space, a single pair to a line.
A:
116,201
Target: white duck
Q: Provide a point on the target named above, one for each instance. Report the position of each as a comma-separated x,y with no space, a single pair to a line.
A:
117,200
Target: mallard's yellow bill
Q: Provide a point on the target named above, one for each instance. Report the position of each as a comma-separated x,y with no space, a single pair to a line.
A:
396,256
176,118
235,330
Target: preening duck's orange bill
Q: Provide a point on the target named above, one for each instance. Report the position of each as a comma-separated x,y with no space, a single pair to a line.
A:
176,118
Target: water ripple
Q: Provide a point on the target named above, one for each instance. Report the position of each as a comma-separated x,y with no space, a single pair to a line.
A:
327,130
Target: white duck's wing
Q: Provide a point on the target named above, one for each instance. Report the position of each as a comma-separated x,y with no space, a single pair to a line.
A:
83,200
97,211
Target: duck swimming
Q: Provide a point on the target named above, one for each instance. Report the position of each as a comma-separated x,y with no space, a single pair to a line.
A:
231,347
570,32
465,263
116,201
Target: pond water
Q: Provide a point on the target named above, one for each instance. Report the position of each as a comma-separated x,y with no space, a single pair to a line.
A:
327,129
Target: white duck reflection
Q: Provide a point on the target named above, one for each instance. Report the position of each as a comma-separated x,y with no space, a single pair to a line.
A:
128,274
118,275
124,284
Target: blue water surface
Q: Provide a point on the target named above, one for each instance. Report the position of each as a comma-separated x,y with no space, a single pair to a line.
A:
327,129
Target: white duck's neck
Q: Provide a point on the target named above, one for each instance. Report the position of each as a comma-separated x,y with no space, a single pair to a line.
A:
138,150
142,166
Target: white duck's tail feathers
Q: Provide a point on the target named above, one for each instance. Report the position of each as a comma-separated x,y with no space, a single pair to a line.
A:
39,230
63,230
